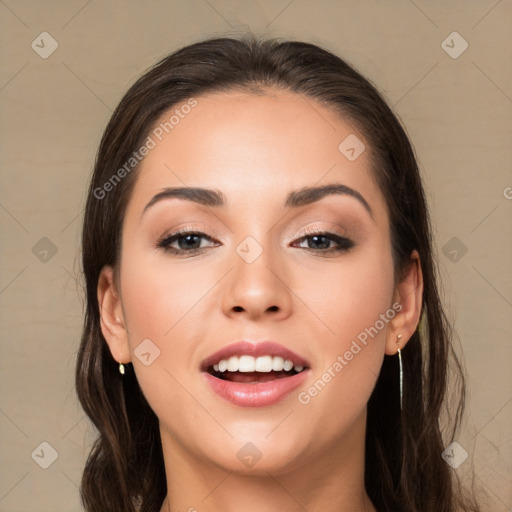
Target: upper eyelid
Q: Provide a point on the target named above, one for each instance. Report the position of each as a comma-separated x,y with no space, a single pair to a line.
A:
322,231
305,232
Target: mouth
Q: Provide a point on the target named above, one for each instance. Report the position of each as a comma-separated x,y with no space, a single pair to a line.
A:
249,369
254,375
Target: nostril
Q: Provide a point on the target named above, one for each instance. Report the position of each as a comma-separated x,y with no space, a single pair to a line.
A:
238,308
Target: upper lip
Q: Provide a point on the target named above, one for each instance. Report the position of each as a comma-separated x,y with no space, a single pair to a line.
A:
262,348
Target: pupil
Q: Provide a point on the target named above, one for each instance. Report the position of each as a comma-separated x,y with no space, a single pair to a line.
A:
326,241
188,238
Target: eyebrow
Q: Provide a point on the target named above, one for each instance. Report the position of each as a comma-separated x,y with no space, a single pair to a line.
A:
295,199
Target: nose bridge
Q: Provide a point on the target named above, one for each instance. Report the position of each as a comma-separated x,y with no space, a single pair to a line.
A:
257,283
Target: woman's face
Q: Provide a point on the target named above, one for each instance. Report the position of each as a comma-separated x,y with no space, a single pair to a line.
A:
256,273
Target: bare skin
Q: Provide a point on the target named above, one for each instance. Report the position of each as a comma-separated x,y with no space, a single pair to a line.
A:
256,149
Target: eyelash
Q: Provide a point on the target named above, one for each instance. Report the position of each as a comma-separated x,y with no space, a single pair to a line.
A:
344,243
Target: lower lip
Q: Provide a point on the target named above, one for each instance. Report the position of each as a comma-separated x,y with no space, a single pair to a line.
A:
259,394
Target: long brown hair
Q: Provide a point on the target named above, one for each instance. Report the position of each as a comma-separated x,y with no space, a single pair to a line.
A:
404,470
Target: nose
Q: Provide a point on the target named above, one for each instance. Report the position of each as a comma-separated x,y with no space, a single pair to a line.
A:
257,289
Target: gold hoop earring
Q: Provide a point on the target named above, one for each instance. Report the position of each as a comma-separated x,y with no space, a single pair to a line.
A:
398,338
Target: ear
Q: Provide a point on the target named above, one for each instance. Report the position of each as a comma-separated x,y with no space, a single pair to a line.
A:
409,295
112,316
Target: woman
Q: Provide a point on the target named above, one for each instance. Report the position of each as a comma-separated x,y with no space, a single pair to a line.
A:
258,257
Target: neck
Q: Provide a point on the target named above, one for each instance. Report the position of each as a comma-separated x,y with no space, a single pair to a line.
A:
331,480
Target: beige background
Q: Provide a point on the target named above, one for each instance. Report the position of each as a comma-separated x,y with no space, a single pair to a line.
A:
458,112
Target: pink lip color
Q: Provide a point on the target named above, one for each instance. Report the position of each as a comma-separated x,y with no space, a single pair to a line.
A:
257,394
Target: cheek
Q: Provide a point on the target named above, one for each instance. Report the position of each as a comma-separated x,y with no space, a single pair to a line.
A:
161,308
160,296
349,297
164,305
355,304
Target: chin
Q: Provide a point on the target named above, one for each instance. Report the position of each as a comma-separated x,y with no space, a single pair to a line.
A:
256,460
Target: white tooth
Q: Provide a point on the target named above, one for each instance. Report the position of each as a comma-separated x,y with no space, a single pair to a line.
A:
216,367
233,364
277,363
263,364
223,365
298,368
246,364
288,365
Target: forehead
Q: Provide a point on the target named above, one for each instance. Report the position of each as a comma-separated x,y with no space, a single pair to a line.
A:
264,145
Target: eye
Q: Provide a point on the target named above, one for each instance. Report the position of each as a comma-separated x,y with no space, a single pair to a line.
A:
184,242
320,241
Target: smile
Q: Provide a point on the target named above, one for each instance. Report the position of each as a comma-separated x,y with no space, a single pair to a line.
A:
262,377
262,364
